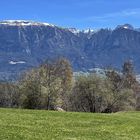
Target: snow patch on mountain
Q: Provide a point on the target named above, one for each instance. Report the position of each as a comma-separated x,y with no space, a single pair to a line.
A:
88,31
16,62
73,30
125,26
23,23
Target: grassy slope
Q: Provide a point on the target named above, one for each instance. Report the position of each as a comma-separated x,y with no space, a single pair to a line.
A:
45,125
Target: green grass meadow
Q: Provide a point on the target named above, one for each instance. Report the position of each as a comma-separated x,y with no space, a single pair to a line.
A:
18,124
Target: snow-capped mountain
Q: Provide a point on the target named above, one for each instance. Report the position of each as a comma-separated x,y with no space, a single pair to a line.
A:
26,44
126,26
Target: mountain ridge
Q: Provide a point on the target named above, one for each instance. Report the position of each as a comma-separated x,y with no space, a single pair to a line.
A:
26,44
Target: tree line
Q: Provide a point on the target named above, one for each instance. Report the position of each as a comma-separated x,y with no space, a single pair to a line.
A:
52,86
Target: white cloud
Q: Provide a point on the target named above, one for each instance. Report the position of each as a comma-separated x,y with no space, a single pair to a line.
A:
121,14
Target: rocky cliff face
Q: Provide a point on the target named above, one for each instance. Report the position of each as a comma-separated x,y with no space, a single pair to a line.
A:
25,44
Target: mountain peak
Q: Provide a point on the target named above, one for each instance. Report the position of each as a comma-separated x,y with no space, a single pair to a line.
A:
125,26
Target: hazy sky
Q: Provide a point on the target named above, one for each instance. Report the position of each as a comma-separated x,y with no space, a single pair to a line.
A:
74,13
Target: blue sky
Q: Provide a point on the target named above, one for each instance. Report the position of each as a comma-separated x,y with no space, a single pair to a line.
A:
74,13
